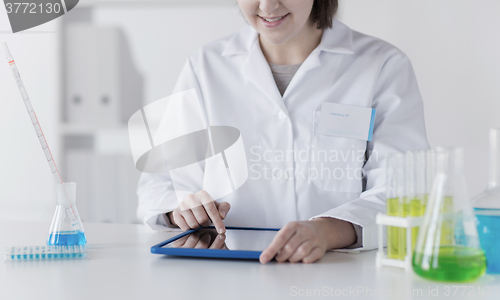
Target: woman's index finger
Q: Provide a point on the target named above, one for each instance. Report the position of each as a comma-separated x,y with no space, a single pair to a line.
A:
214,215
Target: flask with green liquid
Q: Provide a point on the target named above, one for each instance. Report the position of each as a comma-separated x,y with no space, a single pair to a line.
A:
448,246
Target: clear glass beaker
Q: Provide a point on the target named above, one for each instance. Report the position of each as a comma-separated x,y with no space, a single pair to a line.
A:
66,227
448,244
487,208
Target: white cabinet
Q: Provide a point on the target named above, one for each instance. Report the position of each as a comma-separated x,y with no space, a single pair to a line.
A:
103,87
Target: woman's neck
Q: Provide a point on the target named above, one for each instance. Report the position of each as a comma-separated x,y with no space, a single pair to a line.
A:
295,50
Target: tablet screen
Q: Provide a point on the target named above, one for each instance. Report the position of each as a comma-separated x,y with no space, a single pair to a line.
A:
234,239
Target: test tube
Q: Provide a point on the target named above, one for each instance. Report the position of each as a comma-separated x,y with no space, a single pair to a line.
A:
394,192
417,204
430,173
407,195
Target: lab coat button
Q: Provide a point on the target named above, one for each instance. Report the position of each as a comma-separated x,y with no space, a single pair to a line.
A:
282,115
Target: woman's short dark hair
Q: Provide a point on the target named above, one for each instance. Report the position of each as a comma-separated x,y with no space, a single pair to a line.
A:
323,12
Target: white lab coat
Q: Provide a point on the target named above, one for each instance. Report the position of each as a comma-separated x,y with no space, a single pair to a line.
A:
235,84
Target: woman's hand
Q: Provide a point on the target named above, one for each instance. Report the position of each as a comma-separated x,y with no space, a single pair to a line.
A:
307,241
206,240
200,209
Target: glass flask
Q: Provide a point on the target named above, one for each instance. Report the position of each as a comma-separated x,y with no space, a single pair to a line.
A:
487,208
448,246
66,227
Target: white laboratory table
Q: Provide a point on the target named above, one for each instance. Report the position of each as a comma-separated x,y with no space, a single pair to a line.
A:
122,267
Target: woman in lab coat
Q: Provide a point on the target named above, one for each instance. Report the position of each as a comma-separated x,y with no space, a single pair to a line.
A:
270,80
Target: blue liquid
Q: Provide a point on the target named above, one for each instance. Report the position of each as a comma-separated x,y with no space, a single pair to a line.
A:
67,238
488,229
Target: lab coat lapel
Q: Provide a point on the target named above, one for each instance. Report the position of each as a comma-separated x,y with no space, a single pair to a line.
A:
309,64
257,70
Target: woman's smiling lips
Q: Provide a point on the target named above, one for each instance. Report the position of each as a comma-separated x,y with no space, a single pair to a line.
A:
273,21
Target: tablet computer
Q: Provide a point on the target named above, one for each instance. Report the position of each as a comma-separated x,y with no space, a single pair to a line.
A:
237,242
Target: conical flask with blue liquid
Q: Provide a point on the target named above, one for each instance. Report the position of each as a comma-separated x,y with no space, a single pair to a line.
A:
66,227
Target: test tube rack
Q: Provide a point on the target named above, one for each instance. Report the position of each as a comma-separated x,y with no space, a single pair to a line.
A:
408,223
37,253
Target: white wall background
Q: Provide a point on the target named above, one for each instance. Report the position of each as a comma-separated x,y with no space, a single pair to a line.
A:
454,46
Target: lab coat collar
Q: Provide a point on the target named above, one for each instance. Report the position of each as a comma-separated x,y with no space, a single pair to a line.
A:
241,42
256,69
337,39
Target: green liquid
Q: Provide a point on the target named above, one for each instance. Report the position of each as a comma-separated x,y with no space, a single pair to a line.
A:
448,225
417,209
396,237
393,232
404,211
453,263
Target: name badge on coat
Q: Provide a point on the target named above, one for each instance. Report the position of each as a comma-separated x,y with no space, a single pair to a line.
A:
347,121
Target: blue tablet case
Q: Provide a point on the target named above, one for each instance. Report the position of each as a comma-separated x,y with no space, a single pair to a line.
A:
212,253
